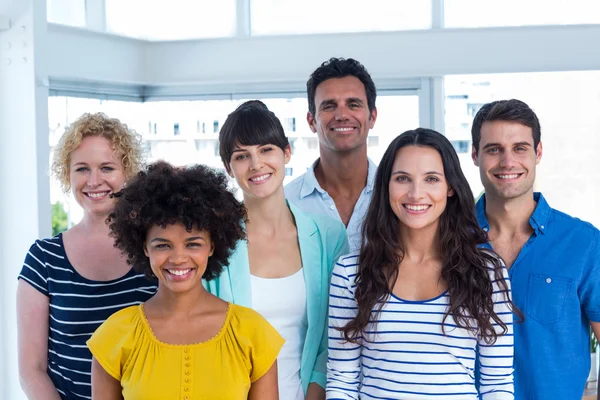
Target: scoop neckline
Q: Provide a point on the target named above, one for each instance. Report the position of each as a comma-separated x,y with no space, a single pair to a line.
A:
63,249
181,346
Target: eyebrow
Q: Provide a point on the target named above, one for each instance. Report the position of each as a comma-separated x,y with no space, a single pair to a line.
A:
190,239
103,163
499,145
348,100
426,173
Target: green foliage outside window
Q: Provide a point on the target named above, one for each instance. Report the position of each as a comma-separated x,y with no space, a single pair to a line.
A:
59,219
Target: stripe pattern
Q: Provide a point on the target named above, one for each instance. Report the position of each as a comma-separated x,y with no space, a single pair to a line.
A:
77,307
406,355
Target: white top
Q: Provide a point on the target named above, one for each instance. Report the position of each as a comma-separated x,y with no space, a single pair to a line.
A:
410,357
282,302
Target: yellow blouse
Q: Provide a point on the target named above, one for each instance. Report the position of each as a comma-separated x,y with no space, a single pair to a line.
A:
220,368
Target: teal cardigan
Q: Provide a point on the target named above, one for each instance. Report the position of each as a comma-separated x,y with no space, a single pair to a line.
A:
322,241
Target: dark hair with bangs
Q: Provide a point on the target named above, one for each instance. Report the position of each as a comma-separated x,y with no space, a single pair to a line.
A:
251,124
194,196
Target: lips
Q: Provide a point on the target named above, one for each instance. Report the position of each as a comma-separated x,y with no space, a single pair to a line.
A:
508,177
97,195
179,274
260,178
343,129
416,208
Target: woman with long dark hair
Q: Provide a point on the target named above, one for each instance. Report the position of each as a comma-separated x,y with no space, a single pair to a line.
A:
411,312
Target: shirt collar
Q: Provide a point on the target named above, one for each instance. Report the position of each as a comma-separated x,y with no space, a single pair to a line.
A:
538,220
310,183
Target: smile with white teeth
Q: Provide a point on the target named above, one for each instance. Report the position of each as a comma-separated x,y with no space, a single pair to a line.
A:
179,272
417,207
510,176
342,129
97,194
260,178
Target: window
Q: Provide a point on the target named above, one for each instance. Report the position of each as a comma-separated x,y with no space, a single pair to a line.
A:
172,19
174,130
567,105
487,13
276,17
66,12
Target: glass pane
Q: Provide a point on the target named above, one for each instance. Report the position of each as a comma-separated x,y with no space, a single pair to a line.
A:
66,12
273,17
171,20
483,13
567,105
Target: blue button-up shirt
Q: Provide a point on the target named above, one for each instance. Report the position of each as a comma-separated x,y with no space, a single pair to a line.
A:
306,194
556,285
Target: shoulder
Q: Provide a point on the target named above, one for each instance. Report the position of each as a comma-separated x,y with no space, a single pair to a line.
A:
292,189
568,222
347,265
250,328
48,247
124,318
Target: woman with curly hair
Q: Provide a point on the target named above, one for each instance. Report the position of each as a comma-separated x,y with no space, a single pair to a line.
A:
71,283
180,225
283,269
413,309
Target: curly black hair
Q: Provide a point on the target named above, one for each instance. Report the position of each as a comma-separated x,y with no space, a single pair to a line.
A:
195,196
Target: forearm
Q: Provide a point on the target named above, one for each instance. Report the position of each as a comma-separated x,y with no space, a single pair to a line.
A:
37,385
315,392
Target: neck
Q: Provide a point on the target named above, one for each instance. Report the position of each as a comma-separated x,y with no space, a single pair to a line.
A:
94,224
269,215
510,215
174,304
419,245
343,171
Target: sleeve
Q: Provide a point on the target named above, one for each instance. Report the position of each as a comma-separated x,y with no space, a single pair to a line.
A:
589,292
343,364
496,360
112,342
34,269
266,344
339,248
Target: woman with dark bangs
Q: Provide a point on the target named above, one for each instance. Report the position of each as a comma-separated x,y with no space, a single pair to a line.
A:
180,225
283,269
411,312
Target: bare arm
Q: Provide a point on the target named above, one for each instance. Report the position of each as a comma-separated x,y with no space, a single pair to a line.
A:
315,392
32,326
104,386
266,387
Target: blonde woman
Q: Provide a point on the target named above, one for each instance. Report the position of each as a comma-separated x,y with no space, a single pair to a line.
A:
71,283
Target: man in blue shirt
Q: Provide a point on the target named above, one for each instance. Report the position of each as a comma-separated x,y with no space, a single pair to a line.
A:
553,258
341,111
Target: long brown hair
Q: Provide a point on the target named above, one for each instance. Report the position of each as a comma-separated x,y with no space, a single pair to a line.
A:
465,265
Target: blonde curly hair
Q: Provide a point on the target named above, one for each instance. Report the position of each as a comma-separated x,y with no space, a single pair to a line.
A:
126,144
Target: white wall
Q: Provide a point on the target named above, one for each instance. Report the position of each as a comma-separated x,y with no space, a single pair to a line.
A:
288,60
25,201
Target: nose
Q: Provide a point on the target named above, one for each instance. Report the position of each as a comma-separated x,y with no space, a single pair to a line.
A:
507,159
415,192
94,178
256,163
178,257
341,113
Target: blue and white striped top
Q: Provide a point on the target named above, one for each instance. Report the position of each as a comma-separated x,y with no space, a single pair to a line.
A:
409,357
77,307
